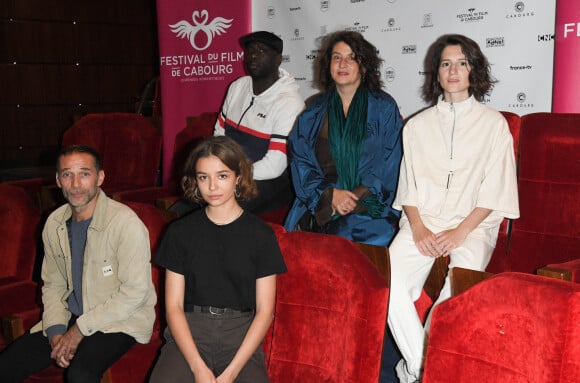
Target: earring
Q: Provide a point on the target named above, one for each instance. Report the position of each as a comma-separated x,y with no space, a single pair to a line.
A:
237,192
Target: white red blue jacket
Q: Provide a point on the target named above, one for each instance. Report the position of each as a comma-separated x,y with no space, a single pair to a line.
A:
261,123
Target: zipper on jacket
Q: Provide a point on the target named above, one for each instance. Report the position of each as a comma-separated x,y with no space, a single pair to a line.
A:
244,113
450,174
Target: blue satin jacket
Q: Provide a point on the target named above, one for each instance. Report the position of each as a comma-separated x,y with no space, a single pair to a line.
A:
378,168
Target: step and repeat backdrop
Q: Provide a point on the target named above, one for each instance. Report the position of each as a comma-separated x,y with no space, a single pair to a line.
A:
516,36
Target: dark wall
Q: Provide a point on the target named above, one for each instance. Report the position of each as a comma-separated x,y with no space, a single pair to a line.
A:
62,59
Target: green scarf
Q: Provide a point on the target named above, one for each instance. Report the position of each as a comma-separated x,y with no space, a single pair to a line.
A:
346,136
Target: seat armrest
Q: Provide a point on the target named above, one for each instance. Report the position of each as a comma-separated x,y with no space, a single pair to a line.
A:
166,202
12,327
567,271
462,279
145,195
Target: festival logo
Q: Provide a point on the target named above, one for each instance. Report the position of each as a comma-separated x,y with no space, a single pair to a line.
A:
409,49
205,64
184,29
472,15
271,12
324,5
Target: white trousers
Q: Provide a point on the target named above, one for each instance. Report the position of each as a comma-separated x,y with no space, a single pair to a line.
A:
409,271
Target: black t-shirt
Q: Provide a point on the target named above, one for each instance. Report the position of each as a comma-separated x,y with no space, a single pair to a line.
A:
220,263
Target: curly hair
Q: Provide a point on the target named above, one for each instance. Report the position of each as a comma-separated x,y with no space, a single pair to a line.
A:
366,55
232,155
480,80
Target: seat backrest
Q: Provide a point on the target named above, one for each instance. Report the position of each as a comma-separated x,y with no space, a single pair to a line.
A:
129,145
548,230
500,252
197,128
19,233
156,222
511,327
330,315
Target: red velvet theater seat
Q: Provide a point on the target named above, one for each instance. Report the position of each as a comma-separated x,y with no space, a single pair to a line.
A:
330,313
135,366
512,327
514,124
19,236
197,128
548,230
129,145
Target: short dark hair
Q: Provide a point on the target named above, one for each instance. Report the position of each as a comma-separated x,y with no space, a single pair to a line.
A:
366,54
231,154
480,80
86,149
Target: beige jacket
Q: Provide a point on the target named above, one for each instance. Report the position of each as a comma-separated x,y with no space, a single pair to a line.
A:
118,293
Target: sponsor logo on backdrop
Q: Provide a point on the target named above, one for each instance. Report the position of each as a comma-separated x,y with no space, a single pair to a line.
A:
324,5
422,73
271,12
546,37
570,29
294,9
427,21
520,67
389,74
217,26
201,66
357,1
472,15
285,58
357,27
521,99
486,100
409,49
296,36
311,56
520,11
491,42
391,26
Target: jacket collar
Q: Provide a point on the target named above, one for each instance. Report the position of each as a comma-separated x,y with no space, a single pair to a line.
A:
98,219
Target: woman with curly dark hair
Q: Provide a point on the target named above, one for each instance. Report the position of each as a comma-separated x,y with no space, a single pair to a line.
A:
345,148
457,183
220,281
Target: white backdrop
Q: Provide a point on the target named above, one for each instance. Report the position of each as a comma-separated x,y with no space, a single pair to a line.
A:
516,36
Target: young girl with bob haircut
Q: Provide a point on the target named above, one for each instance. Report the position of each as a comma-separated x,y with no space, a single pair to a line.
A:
221,265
